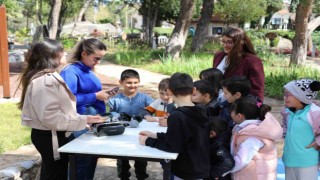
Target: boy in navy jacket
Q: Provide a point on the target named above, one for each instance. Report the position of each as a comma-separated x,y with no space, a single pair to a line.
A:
187,133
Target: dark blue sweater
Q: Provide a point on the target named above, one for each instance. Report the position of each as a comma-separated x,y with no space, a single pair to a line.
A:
83,83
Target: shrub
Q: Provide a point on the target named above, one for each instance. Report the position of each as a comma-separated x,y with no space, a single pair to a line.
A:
69,43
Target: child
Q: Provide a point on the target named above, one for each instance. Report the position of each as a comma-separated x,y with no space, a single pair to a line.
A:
220,157
159,106
130,101
204,93
215,76
187,132
233,89
301,121
253,143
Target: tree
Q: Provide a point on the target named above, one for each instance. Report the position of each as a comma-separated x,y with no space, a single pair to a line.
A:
272,7
53,19
83,9
202,26
299,49
180,31
241,11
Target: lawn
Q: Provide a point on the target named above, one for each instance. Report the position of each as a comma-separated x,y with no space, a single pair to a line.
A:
12,133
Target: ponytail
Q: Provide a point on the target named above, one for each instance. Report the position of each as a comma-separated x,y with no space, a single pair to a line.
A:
250,108
263,111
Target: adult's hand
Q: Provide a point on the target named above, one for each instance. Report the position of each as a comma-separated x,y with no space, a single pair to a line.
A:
102,95
94,119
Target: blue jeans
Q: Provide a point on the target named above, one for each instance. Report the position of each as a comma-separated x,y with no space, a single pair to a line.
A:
86,166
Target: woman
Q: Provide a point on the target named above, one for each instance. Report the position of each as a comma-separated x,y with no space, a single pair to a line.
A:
239,59
86,86
49,107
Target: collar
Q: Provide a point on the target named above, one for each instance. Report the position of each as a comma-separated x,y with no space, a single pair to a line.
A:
82,66
247,122
299,112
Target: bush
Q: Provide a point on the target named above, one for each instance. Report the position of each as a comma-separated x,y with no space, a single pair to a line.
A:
276,78
69,43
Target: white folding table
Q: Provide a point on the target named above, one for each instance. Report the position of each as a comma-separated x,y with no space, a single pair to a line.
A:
124,146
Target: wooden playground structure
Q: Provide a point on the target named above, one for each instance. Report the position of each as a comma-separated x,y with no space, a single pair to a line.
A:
4,62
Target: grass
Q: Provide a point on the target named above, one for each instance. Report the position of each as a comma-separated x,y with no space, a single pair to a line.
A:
12,133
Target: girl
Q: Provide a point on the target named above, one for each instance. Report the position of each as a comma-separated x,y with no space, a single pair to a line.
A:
253,143
301,121
49,107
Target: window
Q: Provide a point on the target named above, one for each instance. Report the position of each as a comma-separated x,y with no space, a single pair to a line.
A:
216,30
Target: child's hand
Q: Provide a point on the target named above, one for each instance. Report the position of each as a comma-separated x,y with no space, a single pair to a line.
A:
148,134
163,121
142,140
150,118
314,145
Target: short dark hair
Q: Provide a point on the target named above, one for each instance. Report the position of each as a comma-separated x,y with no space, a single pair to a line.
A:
204,86
237,84
164,84
250,108
181,84
129,73
213,75
218,125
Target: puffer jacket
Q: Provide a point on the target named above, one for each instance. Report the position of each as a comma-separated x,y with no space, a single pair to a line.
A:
263,165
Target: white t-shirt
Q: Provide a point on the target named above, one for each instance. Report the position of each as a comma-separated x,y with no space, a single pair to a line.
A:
222,65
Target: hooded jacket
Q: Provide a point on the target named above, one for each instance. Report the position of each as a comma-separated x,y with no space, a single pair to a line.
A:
221,159
264,163
188,135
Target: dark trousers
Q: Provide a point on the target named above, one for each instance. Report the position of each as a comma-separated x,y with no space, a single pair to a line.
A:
50,169
140,167
86,166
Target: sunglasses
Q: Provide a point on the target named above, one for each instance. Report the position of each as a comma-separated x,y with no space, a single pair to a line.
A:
96,59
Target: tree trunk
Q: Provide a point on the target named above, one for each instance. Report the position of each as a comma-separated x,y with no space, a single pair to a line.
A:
80,15
202,26
54,18
180,31
299,49
153,18
312,25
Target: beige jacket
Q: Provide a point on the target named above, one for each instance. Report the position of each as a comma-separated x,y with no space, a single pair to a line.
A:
50,105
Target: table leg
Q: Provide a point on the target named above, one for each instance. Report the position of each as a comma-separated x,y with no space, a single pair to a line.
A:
166,170
72,167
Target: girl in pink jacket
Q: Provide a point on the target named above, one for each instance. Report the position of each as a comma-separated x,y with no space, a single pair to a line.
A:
253,142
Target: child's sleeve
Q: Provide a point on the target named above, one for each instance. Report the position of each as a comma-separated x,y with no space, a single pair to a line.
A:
284,115
315,116
113,106
173,140
223,162
247,150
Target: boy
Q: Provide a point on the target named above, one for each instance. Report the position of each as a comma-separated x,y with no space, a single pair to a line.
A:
205,94
233,89
130,101
160,106
187,132
220,157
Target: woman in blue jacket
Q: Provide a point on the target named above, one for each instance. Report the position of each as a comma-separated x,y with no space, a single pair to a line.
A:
87,87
